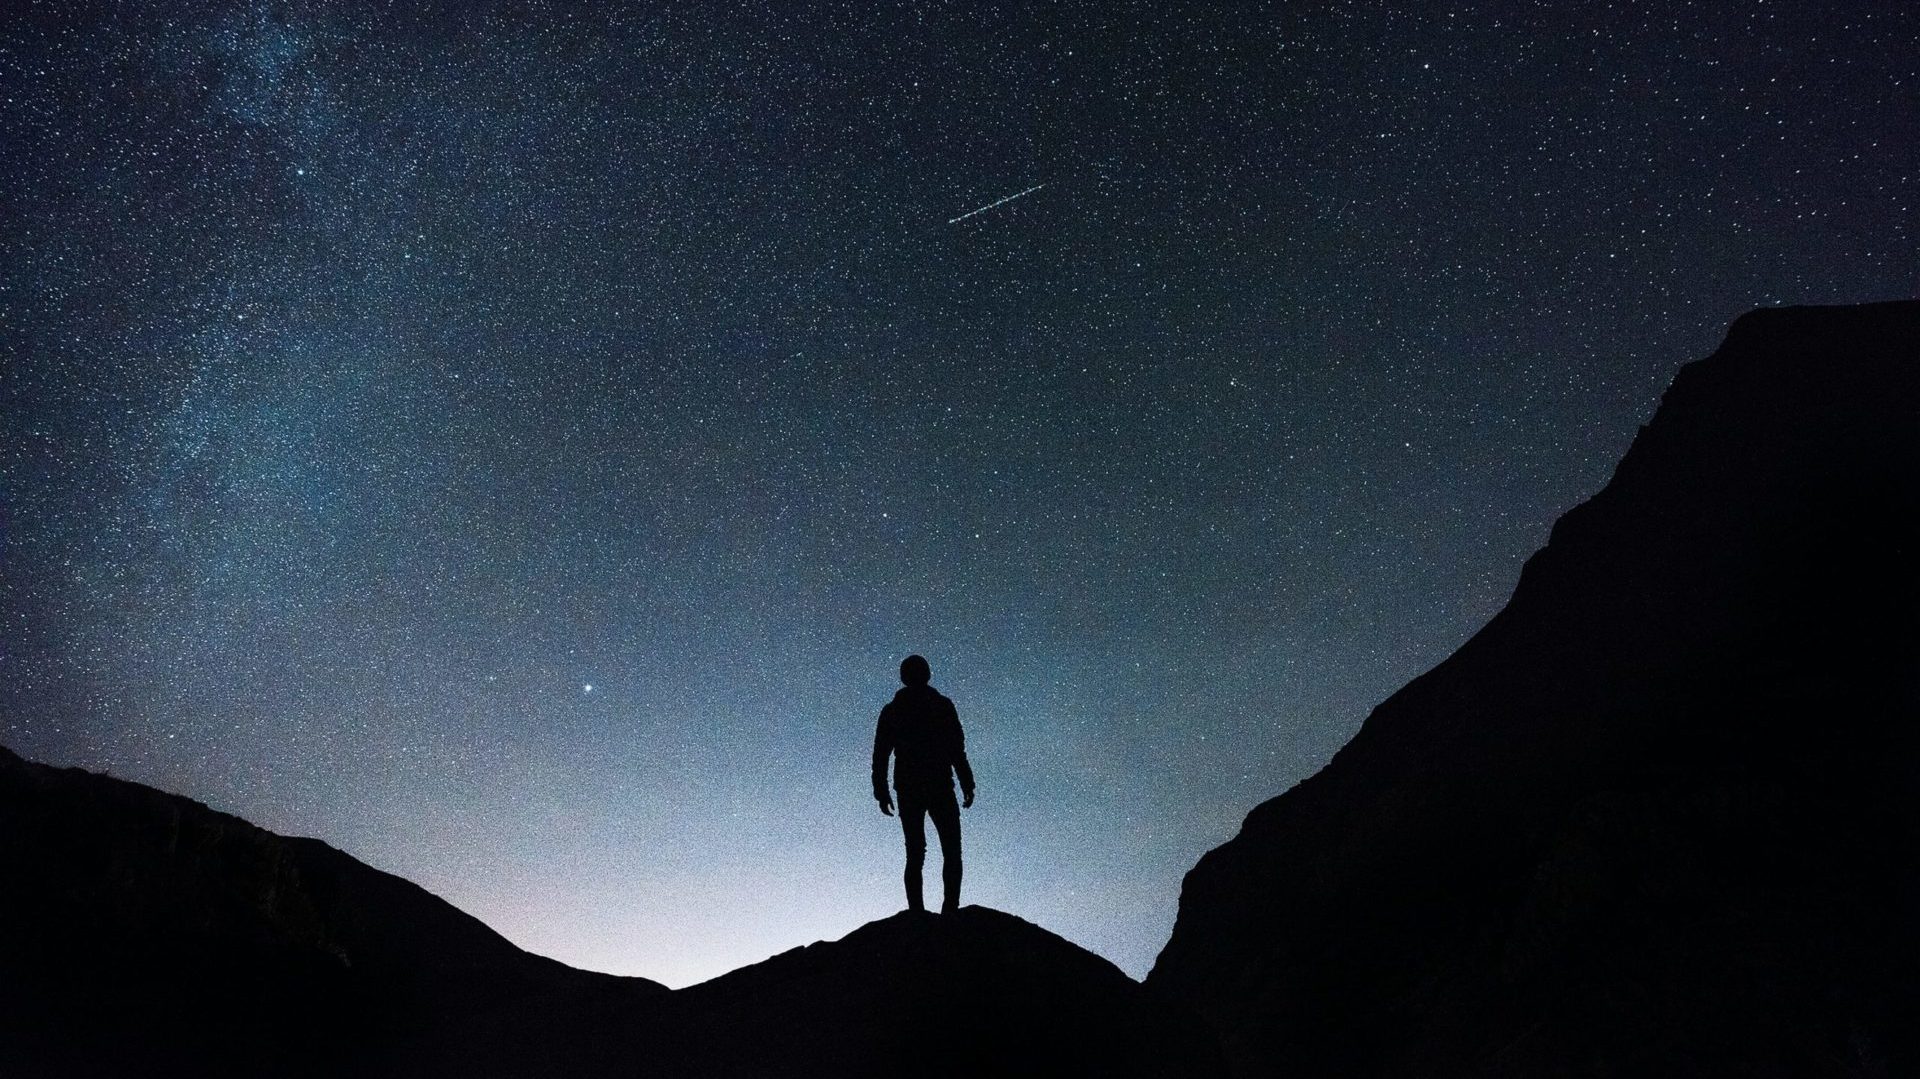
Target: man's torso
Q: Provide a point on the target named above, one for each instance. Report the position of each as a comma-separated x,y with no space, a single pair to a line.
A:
925,730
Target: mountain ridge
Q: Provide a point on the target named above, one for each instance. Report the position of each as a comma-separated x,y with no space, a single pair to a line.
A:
153,910
1689,704
172,938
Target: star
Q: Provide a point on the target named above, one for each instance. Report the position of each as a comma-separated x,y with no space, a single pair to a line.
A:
644,378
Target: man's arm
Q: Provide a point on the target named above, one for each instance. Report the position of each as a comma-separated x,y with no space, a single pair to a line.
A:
882,749
960,764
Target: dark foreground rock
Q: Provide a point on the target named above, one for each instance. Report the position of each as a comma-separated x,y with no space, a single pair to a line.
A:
975,993
144,934
1659,816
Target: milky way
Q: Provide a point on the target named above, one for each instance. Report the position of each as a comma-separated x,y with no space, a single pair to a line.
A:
516,444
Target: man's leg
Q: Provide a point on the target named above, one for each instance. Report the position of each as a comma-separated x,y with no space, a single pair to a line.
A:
946,822
913,821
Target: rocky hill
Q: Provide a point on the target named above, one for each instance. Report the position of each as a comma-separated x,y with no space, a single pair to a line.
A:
1659,816
150,935
973,994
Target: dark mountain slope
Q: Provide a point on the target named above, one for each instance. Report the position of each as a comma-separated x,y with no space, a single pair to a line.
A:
1660,815
972,994
147,934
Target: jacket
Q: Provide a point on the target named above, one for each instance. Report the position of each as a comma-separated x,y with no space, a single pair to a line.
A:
921,730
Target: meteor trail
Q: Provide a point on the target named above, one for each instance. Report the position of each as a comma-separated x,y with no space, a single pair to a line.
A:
991,205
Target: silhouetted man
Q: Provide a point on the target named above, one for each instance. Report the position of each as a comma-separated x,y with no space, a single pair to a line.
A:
921,731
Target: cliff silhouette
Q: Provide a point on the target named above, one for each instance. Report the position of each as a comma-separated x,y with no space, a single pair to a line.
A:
1658,816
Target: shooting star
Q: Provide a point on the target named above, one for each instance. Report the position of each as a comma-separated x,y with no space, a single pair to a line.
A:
991,205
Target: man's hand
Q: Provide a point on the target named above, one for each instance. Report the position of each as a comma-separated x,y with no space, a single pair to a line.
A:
967,802
886,805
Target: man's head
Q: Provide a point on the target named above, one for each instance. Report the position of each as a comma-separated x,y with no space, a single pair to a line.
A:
914,671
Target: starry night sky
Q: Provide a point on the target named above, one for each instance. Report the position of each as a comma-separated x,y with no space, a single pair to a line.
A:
516,444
